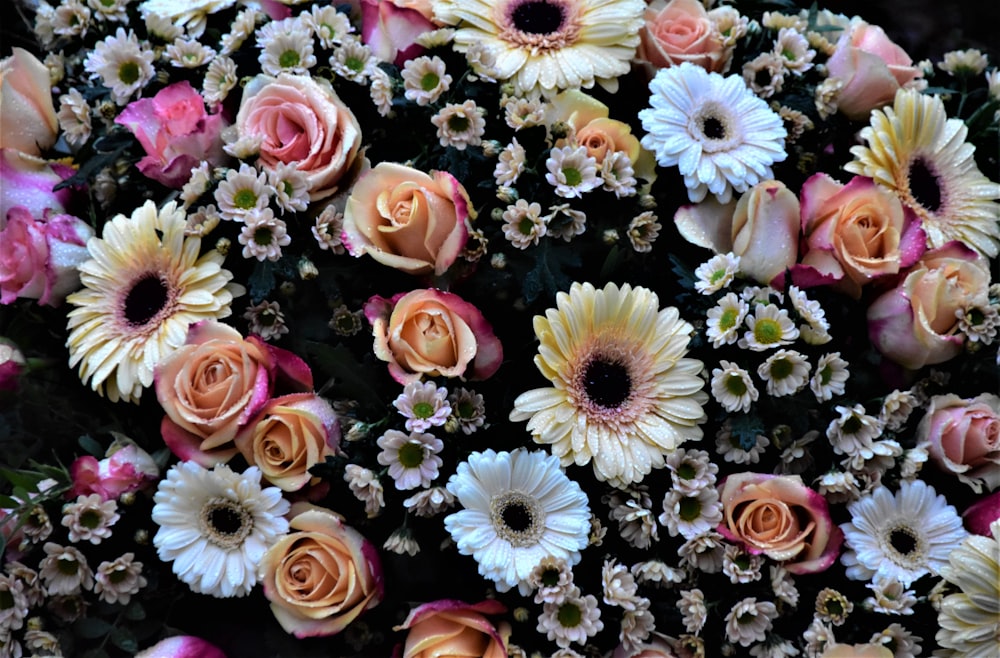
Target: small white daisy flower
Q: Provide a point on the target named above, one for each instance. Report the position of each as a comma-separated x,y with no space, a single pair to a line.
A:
691,515
574,619
510,164
716,273
617,174
352,60
425,79
468,409
118,580
768,327
830,377
74,118
123,64
328,25
523,224
288,51
565,222
64,570
291,187
263,235
242,191
460,126
854,432
328,230
89,518
571,171
793,49
725,319
733,450
732,387
691,470
412,459
749,621
784,373
220,79
266,320
642,231
424,405
188,54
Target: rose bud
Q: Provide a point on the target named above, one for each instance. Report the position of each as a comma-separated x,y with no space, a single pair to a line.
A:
126,468
12,365
29,122
454,628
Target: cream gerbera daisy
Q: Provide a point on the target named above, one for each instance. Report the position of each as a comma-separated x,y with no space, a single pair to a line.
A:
519,509
915,150
215,526
968,620
548,44
720,136
624,395
144,284
900,537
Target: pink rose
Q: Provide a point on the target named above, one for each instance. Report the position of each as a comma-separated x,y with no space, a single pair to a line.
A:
12,363
125,469
182,646
854,234
762,228
656,646
871,67
983,513
914,324
391,28
964,437
407,219
39,258
290,435
214,384
301,121
781,517
681,31
322,575
28,120
454,628
28,181
176,133
435,333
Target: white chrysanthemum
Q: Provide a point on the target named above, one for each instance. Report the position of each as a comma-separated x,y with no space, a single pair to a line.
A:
523,224
716,273
749,621
122,63
188,54
286,51
519,508
768,327
353,60
691,470
721,137
548,44
571,171
785,372
263,235
220,79
732,387
460,125
215,526
412,458
900,537
191,14
724,320
328,25
618,175
510,164
830,377
574,619
425,79
691,515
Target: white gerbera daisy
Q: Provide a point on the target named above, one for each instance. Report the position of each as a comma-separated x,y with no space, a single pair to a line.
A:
548,44
721,137
215,526
519,508
900,537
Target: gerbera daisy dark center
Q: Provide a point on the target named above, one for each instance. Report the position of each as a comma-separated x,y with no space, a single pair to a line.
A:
713,128
903,541
537,17
225,523
146,298
517,518
924,185
607,383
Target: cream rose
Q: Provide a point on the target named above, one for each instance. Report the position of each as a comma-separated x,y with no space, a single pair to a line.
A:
406,219
762,228
964,437
856,651
781,517
454,628
854,234
301,121
290,435
28,120
435,333
322,575
213,385
914,324
681,31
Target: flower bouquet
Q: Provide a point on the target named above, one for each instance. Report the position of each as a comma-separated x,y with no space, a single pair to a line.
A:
495,328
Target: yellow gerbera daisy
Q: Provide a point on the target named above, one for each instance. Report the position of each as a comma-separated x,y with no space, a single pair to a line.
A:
548,44
624,395
915,150
144,284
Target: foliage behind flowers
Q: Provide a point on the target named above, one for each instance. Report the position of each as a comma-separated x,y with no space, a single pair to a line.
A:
520,328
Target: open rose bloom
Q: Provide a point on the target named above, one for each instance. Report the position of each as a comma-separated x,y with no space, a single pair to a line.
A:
406,219
435,333
28,120
964,437
391,28
681,31
322,575
454,628
779,516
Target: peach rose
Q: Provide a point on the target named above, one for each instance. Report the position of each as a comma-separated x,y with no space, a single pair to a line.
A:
432,332
964,437
856,651
301,121
779,516
854,234
28,120
914,324
871,67
681,31
290,435
454,628
322,575
762,228
214,384
406,219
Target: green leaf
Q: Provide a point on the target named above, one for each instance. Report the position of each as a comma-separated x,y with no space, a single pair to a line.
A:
91,628
91,445
124,639
21,479
135,611
261,281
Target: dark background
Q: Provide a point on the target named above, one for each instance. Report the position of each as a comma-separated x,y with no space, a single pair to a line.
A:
924,28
